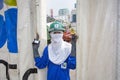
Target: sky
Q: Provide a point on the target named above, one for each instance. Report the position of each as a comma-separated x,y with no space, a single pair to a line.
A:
59,4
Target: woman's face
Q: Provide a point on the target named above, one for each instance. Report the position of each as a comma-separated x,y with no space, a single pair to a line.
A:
56,36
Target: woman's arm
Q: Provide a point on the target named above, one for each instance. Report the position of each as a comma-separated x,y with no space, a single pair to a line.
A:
71,62
40,62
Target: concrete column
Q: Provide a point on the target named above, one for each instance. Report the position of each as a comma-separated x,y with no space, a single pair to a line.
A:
96,46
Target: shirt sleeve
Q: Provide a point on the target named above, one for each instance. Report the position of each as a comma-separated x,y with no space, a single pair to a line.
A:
71,62
41,62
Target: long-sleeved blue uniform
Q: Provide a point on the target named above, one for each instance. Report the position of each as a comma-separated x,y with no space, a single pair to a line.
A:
55,71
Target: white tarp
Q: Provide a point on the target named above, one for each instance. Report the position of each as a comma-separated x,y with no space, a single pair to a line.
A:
27,27
7,57
29,22
25,37
3,56
118,41
96,47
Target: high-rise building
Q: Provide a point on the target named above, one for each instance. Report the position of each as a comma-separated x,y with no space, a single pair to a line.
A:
63,12
63,16
73,15
51,12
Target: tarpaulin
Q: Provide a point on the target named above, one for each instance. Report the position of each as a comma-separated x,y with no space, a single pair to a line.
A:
1,4
3,34
10,2
11,26
96,46
21,65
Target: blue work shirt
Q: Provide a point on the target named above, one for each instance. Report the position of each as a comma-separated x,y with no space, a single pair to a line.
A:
55,71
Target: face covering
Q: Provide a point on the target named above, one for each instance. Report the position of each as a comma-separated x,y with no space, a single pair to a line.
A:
58,50
56,37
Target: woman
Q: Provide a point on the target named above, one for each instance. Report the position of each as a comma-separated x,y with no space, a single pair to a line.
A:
56,56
